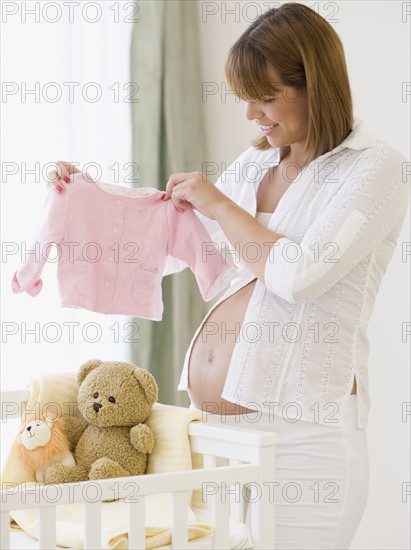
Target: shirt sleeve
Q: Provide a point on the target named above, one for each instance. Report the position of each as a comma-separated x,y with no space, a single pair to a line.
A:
369,205
51,230
190,242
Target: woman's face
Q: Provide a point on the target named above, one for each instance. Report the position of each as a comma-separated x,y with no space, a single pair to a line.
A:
287,110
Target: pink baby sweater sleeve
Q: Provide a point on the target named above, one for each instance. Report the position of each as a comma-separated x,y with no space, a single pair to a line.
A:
189,241
51,230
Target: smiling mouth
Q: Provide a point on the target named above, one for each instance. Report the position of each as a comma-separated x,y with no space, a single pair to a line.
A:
268,127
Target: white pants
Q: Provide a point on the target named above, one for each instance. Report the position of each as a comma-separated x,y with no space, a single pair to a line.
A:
322,479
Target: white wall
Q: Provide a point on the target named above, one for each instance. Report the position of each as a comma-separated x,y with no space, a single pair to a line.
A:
376,42
38,49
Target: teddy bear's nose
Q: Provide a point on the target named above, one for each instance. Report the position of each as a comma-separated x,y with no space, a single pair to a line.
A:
97,406
28,428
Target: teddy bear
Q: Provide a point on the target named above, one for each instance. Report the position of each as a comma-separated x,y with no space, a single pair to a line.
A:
43,442
115,398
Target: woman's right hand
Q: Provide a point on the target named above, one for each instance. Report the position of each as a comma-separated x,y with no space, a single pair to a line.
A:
62,174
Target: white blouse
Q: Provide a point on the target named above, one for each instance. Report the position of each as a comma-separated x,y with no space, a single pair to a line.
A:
263,218
304,334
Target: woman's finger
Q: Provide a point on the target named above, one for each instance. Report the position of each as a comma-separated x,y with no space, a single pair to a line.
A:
177,197
174,180
55,185
63,173
67,170
54,181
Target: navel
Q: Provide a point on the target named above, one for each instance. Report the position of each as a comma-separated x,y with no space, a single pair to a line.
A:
210,356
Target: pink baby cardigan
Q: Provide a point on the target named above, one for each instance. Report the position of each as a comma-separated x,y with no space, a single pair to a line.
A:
113,243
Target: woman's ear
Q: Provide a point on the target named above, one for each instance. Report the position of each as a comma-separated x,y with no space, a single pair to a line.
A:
86,368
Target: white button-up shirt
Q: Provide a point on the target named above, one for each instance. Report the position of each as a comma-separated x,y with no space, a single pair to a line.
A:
304,334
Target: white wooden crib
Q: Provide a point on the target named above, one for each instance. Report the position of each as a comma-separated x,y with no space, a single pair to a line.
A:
251,456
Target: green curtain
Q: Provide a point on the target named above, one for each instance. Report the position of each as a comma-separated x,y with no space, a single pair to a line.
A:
168,134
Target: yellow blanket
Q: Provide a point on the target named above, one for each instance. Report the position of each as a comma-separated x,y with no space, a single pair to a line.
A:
171,453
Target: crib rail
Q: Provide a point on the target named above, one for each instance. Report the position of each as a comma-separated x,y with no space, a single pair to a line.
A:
251,456
133,489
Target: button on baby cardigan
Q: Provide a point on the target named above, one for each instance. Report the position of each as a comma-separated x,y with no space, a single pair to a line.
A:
113,243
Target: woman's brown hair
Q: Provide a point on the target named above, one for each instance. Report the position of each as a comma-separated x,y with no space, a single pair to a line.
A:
306,53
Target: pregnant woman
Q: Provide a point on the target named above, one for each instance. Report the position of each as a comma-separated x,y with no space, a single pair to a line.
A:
310,216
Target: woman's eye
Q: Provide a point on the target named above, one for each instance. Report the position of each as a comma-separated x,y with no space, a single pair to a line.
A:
112,399
95,395
270,100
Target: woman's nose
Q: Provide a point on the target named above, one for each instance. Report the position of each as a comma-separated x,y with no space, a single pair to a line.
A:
252,111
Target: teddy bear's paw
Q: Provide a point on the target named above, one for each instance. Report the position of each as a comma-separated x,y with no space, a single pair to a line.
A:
55,474
105,468
58,473
142,438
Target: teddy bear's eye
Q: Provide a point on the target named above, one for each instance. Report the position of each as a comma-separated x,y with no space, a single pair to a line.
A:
95,395
112,399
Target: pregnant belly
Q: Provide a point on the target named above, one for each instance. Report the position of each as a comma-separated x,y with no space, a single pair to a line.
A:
211,354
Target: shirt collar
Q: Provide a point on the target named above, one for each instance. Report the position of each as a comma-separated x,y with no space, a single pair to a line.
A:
360,137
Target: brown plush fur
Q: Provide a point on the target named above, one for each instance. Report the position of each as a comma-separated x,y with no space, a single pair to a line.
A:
57,446
115,398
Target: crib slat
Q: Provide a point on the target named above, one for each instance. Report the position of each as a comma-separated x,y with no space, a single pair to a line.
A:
236,496
210,461
92,525
221,538
136,524
5,531
180,523
47,536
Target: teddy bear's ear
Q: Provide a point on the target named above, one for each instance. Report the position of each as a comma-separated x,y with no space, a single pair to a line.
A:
86,368
148,383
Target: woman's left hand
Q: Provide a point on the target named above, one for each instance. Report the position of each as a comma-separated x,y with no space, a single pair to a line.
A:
195,190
